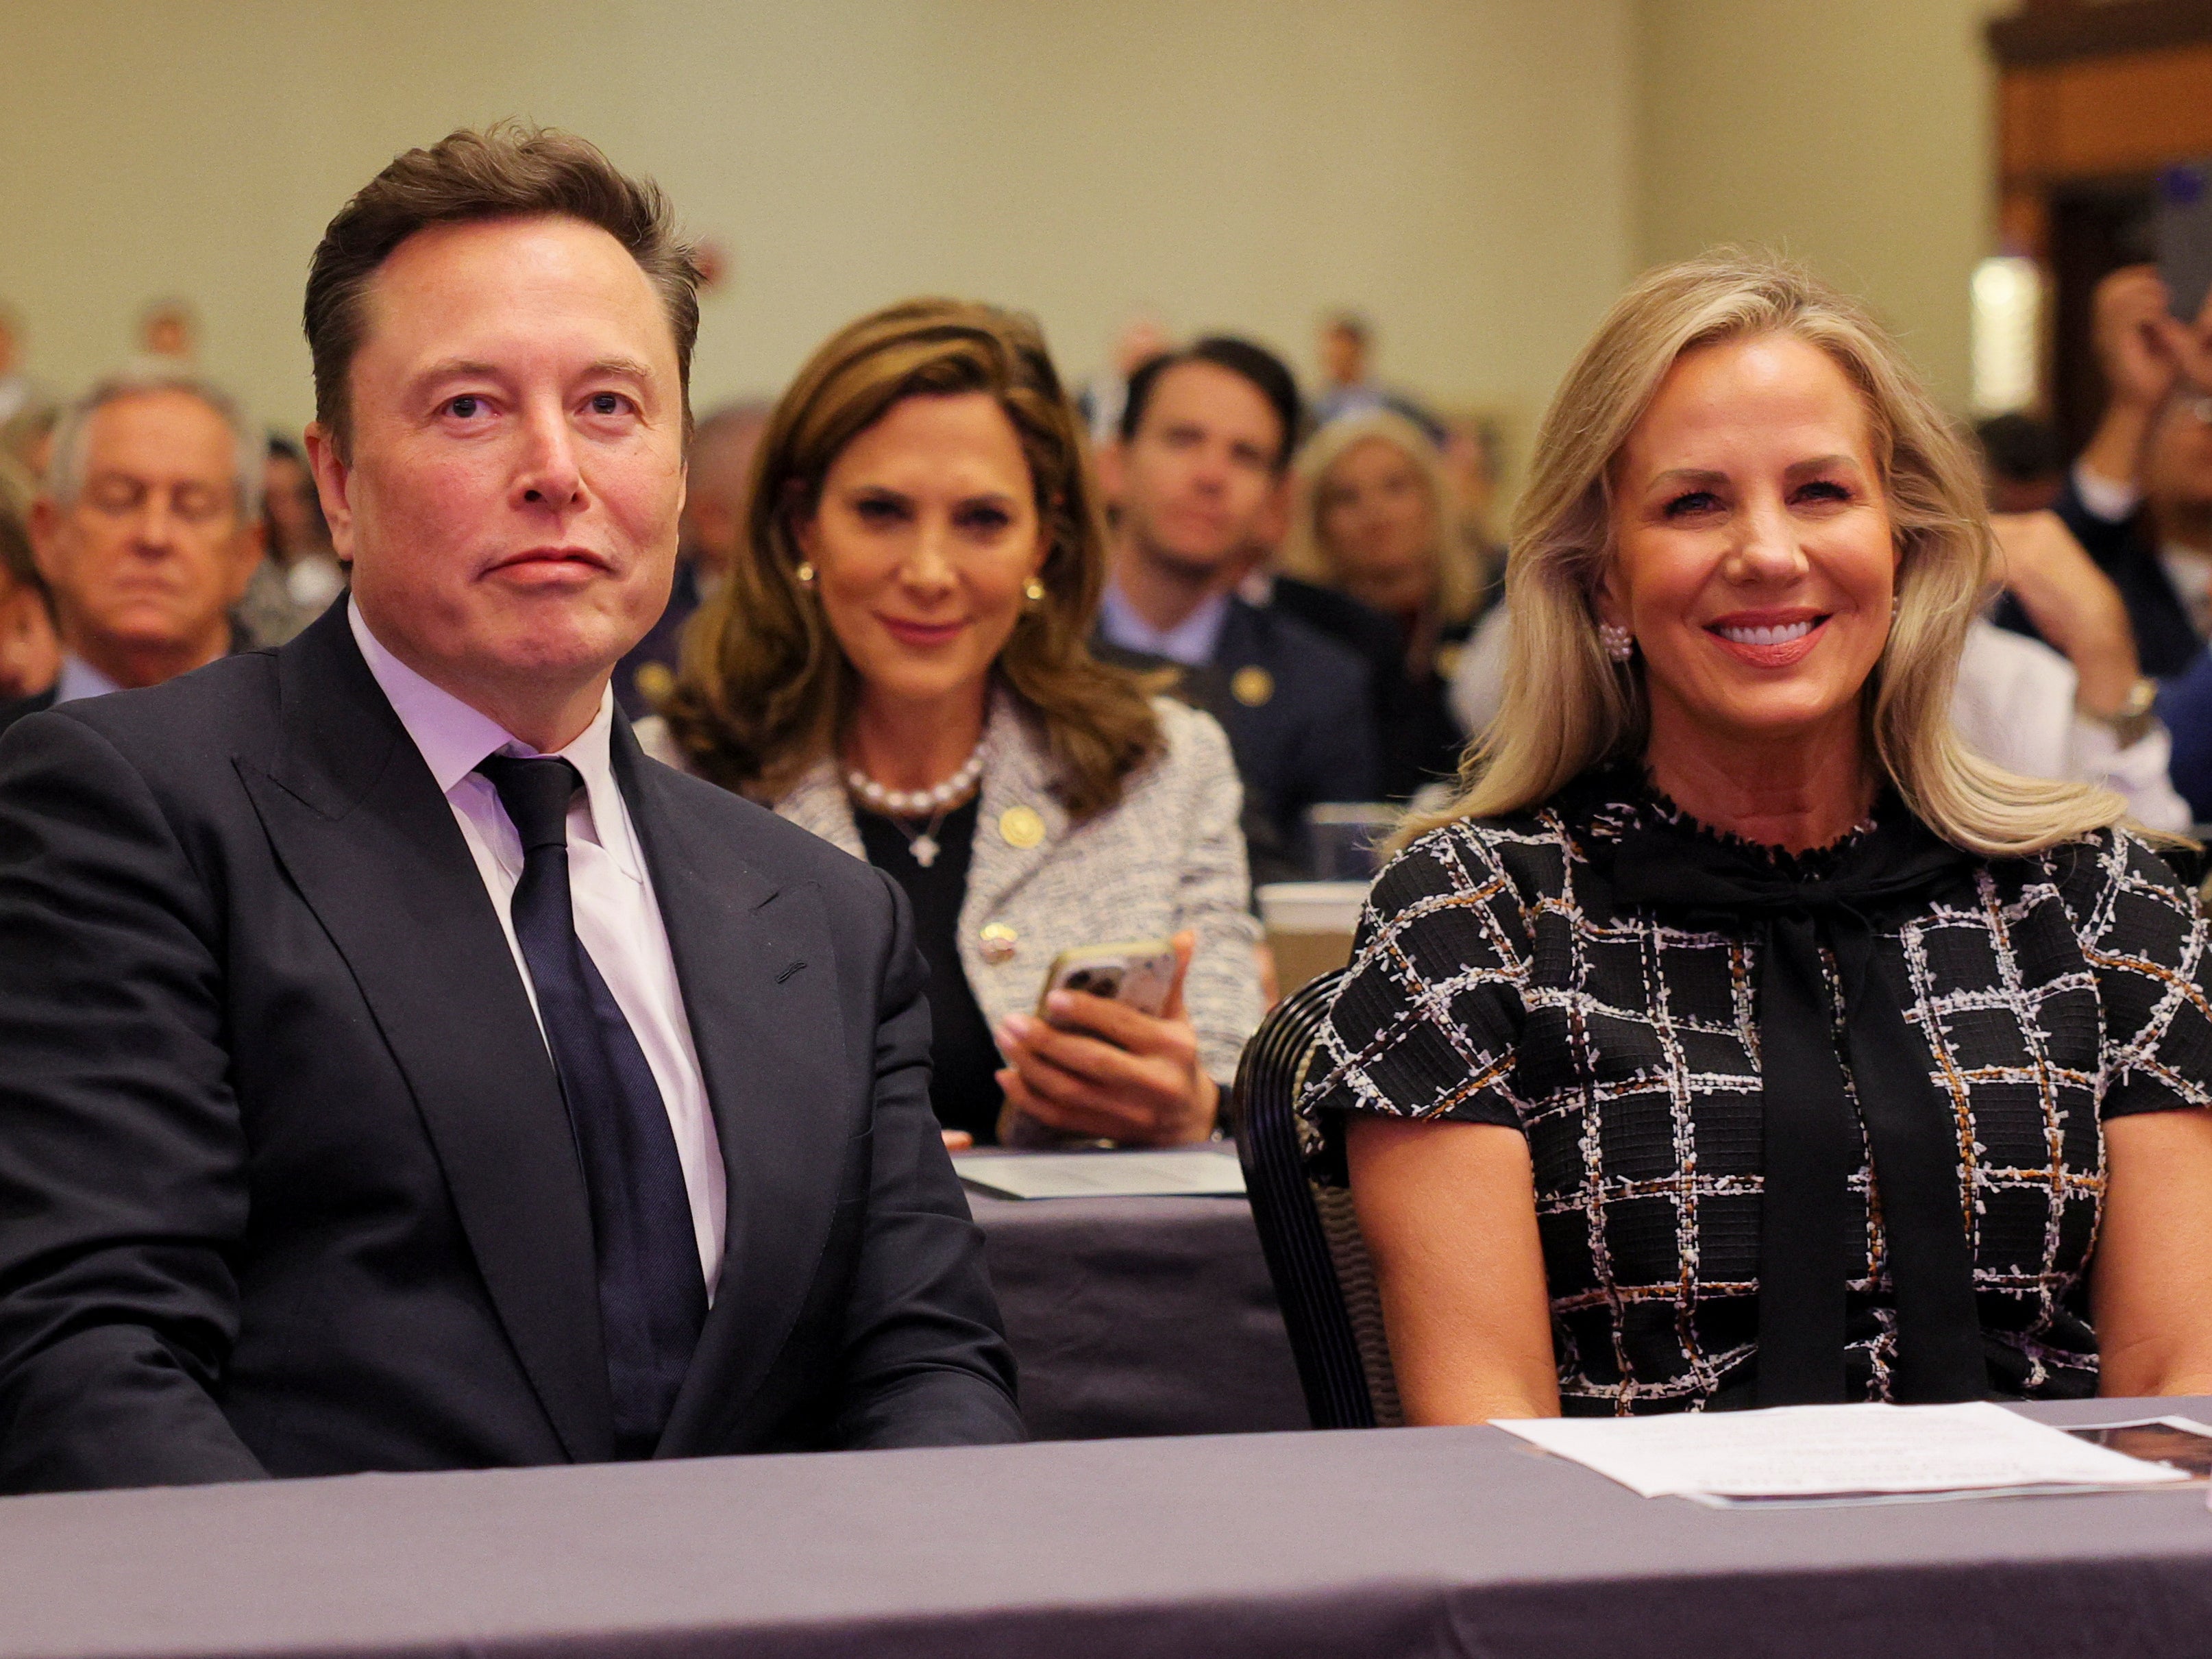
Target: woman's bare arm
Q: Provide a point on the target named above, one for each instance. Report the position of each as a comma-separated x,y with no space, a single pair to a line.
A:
2151,1282
1449,1212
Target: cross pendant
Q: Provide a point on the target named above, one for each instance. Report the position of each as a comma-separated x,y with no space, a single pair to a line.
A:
925,849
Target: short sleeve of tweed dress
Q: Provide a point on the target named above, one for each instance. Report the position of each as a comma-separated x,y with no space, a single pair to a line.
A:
1428,1021
2143,933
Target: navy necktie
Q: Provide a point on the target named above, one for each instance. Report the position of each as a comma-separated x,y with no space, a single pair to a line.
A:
652,1297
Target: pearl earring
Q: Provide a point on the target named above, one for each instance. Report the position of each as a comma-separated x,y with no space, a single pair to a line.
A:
1619,644
804,573
1033,590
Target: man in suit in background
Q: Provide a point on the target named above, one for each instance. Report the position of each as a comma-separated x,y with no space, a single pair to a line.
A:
147,533
1199,481
402,1073
718,463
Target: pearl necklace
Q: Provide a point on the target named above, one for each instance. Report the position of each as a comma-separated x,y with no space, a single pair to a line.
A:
913,803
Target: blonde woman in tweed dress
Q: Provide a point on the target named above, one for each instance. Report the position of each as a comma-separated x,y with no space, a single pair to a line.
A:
898,664
1739,1038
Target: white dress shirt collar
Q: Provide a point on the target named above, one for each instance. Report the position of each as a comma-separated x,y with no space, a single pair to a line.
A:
453,737
1191,641
79,679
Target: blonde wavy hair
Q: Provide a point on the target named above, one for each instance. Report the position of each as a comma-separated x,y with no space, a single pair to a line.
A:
1569,707
764,690
1306,553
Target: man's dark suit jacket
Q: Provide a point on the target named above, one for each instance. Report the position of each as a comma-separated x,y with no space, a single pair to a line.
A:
37,702
287,1184
1310,738
2165,640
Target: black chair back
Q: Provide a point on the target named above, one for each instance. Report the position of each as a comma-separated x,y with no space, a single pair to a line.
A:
1319,1262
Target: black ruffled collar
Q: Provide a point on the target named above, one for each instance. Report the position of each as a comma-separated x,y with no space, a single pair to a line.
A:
1619,799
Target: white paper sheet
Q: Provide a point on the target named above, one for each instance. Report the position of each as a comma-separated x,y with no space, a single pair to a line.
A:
1812,1451
1208,1172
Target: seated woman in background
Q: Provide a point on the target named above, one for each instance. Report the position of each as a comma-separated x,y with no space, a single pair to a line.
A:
1738,1037
897,661
1374,521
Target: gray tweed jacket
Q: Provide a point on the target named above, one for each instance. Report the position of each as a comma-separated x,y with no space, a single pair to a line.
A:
1169,856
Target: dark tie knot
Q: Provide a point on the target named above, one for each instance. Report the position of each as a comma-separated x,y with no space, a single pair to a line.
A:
536,791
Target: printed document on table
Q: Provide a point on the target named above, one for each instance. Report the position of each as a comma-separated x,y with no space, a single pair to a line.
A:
1203,1174
1822,1451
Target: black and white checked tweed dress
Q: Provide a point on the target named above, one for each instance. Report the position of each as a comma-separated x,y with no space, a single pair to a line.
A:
1497,980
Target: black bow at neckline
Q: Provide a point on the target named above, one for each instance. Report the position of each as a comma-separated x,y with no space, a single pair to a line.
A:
1809,1249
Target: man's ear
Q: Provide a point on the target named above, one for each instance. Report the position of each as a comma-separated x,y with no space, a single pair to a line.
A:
333,479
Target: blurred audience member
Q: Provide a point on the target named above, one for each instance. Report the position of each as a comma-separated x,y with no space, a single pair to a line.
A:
148,529
2078,708
169,332
1374,519
898,663
1200,474
26,449
2021,463
1349,386
25,412
299,575
30,654
1473,465
1100,398
719,463
2139,497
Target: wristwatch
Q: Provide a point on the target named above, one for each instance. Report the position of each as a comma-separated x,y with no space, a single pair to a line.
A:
2132,720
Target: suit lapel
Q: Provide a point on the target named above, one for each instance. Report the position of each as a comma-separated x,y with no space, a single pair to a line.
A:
358,822
759,974
1016,781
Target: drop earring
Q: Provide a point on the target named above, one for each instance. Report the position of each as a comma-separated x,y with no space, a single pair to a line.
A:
1619,644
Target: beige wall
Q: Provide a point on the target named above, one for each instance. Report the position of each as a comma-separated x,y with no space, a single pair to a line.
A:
1857,135
1461,168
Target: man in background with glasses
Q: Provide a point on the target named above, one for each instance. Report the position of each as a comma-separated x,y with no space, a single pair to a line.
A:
148,532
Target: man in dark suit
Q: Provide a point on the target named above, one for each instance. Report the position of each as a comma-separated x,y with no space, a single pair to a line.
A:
1200,487
147,533
399,1071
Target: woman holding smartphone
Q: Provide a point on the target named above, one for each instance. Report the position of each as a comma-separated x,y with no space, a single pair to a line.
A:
898,663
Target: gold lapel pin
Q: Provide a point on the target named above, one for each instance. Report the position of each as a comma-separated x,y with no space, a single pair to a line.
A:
998,942
1020,826
1252,685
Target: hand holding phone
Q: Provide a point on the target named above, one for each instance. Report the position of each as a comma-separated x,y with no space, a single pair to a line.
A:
1110,1053
1138,972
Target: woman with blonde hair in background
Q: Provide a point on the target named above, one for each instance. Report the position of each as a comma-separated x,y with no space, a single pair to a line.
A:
1738,1037
1374,519
897,661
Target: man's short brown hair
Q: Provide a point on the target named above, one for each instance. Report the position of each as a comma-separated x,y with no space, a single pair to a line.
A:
508,170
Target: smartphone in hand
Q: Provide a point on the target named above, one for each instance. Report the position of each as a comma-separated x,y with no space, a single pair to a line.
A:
1138,972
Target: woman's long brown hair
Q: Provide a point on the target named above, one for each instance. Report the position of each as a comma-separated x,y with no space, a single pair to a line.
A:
765,691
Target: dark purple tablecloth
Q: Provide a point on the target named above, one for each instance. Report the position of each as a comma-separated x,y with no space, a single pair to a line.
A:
1439,1542
1140,1316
